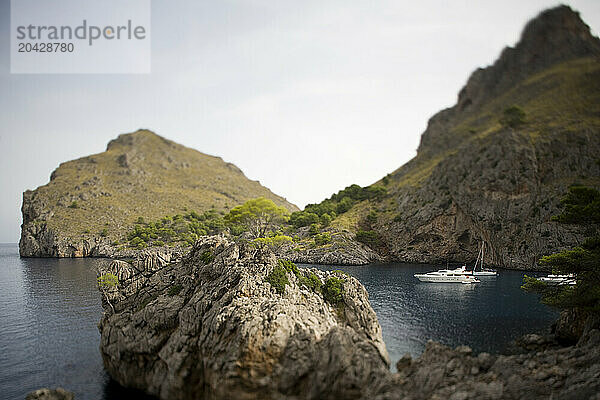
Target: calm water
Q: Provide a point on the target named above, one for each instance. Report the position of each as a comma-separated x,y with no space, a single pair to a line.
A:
487,316
49,311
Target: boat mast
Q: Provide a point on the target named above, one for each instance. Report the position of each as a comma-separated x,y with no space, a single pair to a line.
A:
482,253
477,261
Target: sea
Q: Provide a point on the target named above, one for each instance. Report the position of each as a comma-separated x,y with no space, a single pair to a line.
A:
50,309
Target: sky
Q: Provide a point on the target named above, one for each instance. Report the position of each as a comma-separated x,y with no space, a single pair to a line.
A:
307,96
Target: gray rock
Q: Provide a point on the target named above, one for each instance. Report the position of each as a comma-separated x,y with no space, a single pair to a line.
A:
344,250
50,394
190,328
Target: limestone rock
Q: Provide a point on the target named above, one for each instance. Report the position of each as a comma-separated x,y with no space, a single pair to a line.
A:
441,373
50,394
344,250
211,326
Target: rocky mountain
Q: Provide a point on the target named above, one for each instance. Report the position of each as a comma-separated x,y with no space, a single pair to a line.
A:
494,166
90,203
222,324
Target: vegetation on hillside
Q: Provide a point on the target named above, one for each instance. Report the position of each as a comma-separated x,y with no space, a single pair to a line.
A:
177,229
581,206
260,220
341,202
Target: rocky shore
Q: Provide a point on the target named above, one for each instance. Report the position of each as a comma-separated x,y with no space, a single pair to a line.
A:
343,250
545,370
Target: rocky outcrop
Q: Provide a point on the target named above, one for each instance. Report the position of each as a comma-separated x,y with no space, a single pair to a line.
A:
212,326
458,374
50,394
343,250
477,178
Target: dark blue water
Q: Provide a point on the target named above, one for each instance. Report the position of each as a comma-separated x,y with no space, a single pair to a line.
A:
49,311
487,316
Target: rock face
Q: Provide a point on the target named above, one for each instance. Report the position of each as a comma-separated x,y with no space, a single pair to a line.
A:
457,374
50,394
90,203
343,250
211,326
478,175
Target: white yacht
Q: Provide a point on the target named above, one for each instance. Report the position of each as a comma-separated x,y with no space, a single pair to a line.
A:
569,279
447,276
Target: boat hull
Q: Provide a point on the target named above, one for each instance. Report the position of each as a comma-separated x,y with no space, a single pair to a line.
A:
444,279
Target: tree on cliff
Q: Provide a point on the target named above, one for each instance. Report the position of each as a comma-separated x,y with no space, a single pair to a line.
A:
107,283
580,206
258,216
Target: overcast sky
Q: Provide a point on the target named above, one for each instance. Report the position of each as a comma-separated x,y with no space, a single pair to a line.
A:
305,96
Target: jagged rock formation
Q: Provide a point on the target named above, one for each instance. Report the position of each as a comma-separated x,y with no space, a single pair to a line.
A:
343,250
477,177
50,394
212,327
541,373
90,203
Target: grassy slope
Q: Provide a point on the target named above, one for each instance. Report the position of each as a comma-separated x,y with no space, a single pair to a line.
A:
158,178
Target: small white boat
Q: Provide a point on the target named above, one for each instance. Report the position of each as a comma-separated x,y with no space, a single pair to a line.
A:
447,276
569,279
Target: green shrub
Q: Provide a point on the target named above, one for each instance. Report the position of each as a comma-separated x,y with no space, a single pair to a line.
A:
370,238
311,281
158,243
398,217
174,290
314,229
104,232
581,206
207,257
333,290
140,220
322,238
513,117
278,278
325,220
372,217
74,205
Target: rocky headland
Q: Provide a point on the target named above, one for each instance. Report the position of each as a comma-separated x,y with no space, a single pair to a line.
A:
91,203
216,325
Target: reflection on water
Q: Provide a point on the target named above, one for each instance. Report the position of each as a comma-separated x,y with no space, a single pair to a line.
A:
49,311
487,315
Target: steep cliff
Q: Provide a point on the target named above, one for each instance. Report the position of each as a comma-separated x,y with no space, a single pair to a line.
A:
90,203
214,326
495,165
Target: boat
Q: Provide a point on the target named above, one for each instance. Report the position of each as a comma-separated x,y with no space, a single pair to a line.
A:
447,276
482,271
560,280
